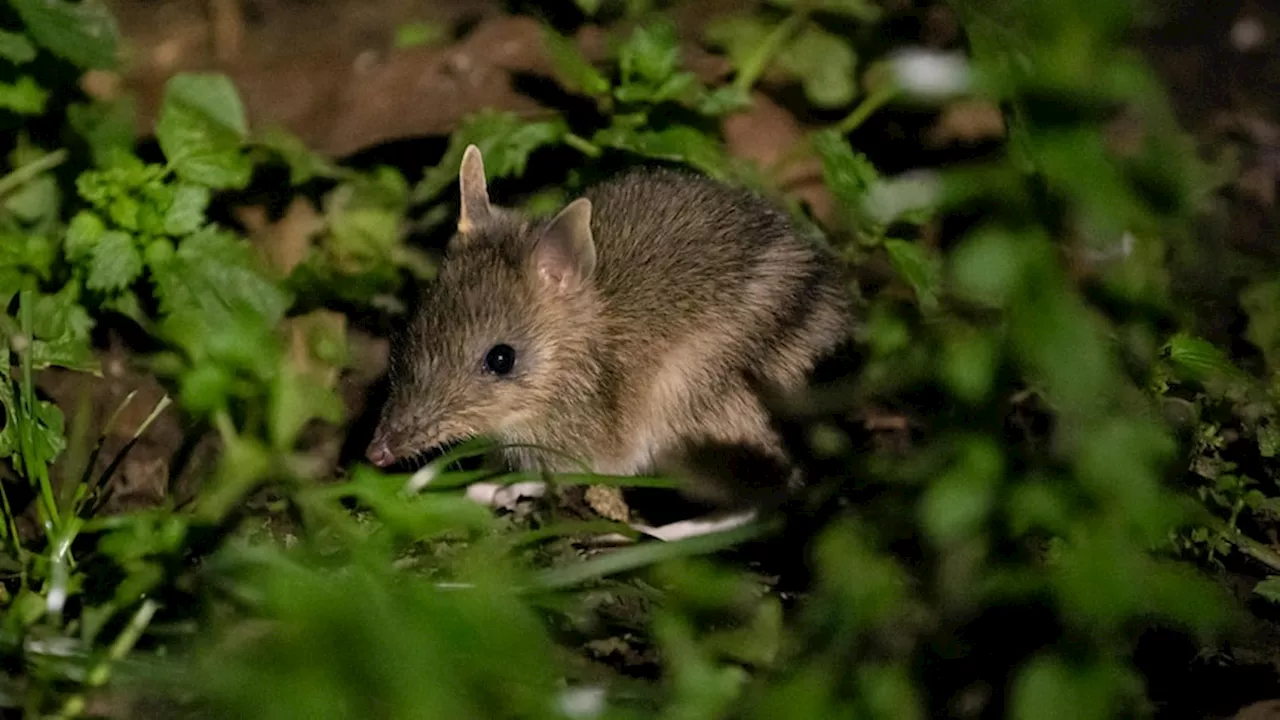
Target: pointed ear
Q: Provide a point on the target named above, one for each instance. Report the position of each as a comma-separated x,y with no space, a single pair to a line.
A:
564,255
474,193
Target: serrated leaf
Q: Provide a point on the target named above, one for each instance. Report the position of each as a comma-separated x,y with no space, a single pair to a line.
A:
83,33
201,129
61,328
847,173
114,263
296,399
921,270
16,48
1269,588
651,54
365,217
83,233
505,142
824,63
680,144
186,213
212,275
574,71
23,96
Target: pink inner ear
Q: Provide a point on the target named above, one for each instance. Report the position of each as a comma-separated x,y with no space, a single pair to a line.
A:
552,267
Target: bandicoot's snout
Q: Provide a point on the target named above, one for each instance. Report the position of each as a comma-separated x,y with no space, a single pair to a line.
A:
379,452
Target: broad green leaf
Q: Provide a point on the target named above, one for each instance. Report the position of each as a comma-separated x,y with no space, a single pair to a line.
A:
365,217
824,63
24,96
505,142
16,48
922,270
201,130
83,33
1269,588
27,254
956,504
575,72
1048,688
186,214
114,263
738,35
212,275
1200,359
680,143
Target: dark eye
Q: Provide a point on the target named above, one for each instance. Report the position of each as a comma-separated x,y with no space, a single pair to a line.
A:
500,359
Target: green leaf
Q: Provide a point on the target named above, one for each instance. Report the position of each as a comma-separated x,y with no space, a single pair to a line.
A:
1200,359
1048,688
366,219
418,34
956,504
922,270
505,142
574,71
201,130
588,7
83,234
115,262
186,214
16,48
650,55
848,174
23,96
1269,588
824,63
681,143
295,401
107,127
304,164
738,36
61,329
1261,302
83,33
213,275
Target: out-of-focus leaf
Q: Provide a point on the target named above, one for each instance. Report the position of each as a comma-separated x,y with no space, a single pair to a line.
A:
863,10
922,270
575,72
201,129
107,127
115,264
505,143
680,143
23,96
824,63
1269,588
186,214
419,34
16,48
650,55
304,163
83,33
1261,302
1199,359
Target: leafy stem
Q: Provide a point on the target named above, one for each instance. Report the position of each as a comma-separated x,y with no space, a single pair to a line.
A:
20,176
582,145
37,470
767,50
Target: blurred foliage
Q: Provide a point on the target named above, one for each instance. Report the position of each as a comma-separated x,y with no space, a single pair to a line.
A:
1075,438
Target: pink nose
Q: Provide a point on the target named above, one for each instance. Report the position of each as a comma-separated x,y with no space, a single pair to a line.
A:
379,454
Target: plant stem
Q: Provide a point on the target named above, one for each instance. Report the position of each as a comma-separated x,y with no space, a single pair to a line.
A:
582,145
25,173
767,50
872,102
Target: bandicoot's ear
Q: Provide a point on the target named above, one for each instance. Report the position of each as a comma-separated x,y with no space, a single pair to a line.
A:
474,192
564,255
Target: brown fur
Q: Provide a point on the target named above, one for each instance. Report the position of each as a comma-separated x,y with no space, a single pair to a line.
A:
695,293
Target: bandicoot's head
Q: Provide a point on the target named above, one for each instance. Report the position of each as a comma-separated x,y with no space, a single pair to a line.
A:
499,335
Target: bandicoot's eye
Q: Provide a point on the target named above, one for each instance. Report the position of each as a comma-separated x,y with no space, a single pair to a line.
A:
500,359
